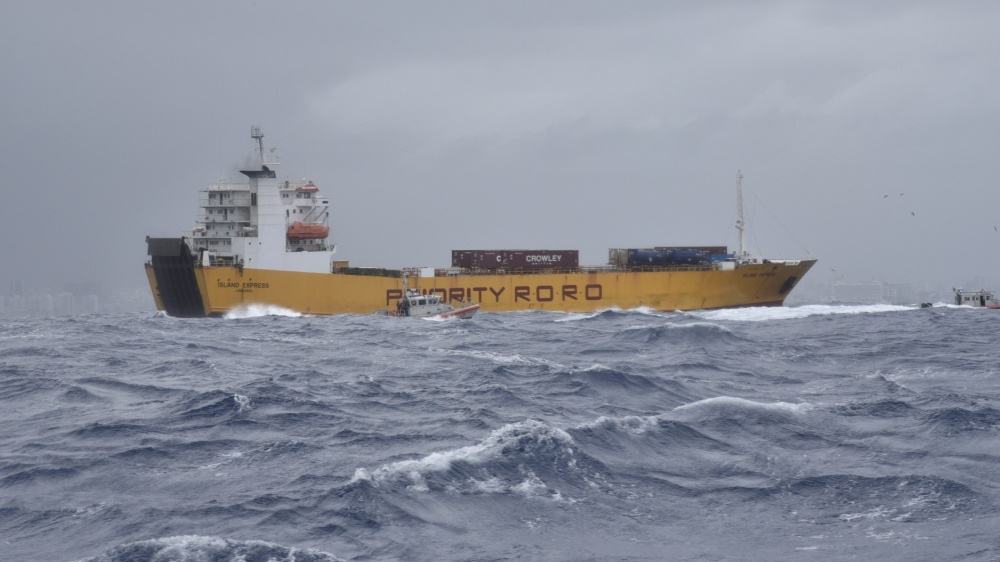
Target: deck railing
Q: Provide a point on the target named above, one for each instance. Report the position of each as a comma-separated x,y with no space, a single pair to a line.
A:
452,272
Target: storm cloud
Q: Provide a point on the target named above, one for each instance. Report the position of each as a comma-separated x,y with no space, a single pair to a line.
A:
867,132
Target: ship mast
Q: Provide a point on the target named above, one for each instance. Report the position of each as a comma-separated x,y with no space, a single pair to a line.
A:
740,225
258,135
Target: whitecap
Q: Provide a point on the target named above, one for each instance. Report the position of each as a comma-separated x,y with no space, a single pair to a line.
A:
259,310
766,313
439,318
575,316
242,402
708,326
532,486
721,406
593,368
645,310
520,437
194,548
636,425
879,512
500,358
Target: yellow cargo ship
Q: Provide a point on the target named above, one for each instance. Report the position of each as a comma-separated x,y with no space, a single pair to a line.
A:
264,242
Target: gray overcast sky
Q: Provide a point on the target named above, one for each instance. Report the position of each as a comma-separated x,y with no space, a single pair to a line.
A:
558,124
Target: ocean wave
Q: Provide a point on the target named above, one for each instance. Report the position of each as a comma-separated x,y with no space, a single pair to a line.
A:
146,390
79,394
577,316
38,475
533,449
877,409
185,366
218,403
14,332
16,383
910,498
728,407
603,375
674,331
635,425
259,310
958,420
669,454
101,430
529,436
681,423
499,358
252,429
515,458
601,378
439,318
193,548
31,351
766,313
949,305
610,433
613,312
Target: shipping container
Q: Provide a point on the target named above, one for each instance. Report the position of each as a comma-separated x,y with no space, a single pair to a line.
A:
711,250
515,259
618,257
666,256
651,257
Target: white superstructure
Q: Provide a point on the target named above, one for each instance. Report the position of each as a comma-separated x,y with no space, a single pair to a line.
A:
981,298
264,223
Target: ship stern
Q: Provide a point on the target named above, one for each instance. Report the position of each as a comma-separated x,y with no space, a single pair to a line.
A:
172,280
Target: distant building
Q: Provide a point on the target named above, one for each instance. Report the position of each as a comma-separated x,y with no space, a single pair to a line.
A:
873,292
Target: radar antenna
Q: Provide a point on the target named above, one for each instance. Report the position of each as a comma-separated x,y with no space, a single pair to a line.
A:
258,135
740,225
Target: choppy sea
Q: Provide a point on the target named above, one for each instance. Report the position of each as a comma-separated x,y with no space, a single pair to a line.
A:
801,433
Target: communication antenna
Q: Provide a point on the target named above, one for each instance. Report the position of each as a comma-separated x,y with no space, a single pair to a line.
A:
740,225
258,135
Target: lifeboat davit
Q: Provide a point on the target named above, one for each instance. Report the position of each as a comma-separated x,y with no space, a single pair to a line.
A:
303,231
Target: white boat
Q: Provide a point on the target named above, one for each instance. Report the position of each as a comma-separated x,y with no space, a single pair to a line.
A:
430,305
980,299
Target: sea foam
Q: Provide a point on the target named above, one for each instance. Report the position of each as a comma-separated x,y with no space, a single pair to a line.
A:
259,310
194,548
765,313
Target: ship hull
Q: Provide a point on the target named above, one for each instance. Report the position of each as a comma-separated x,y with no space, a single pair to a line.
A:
222,289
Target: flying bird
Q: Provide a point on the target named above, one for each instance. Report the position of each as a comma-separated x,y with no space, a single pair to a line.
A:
886,196
913,214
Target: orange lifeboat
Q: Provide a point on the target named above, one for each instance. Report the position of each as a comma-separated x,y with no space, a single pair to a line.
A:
308,187
303,231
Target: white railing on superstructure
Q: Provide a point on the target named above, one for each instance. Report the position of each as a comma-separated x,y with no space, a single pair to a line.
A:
220,213
228,186
238,199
